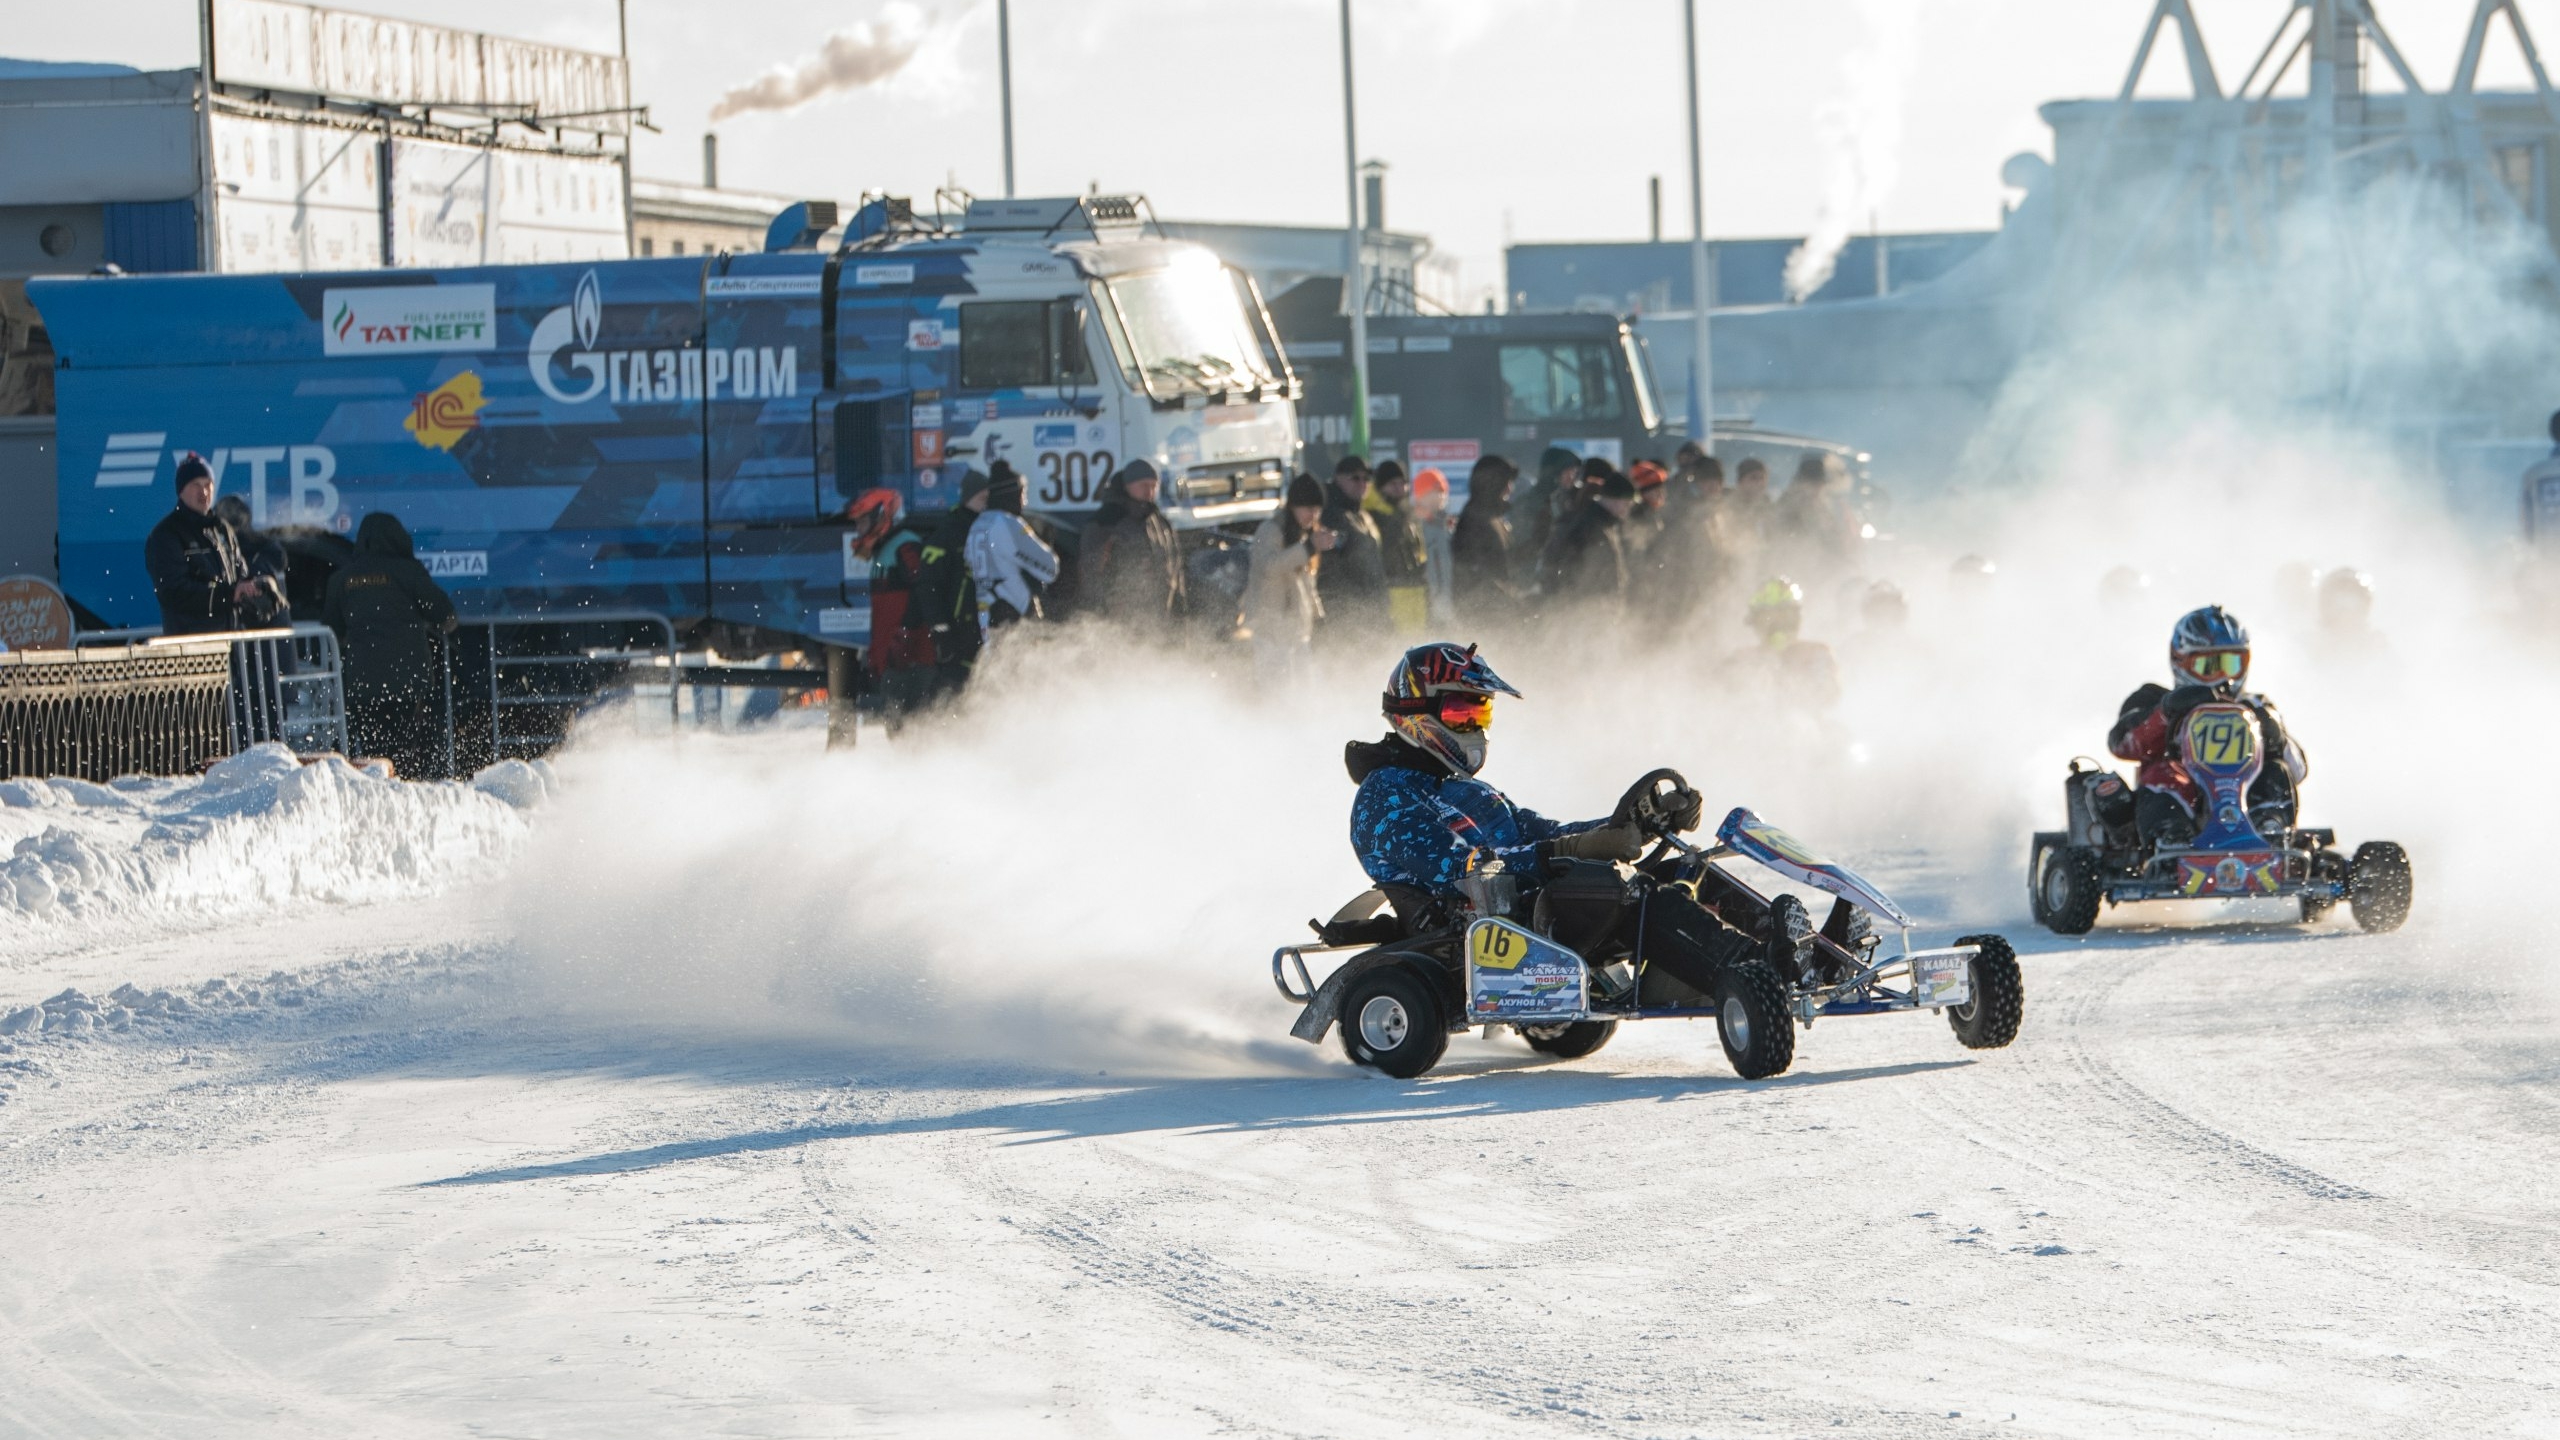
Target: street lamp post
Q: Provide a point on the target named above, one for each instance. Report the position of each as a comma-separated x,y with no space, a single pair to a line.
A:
1702,368
1355,287
1004,76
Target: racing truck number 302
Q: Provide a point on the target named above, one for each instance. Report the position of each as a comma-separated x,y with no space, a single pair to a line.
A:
1067,477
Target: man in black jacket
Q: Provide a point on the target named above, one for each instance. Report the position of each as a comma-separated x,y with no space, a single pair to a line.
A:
1589,558
1352,582
1129,566
267,606
1480,547
194,560
388,613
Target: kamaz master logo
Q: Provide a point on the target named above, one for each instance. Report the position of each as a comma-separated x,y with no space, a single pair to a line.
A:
634,377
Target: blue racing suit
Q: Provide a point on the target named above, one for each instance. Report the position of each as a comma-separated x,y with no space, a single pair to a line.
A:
1414,823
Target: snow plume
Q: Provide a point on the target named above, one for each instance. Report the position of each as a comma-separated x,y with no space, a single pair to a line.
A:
864,53
1861,130
1089,866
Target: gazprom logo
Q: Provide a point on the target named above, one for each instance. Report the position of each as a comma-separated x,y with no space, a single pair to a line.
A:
660,376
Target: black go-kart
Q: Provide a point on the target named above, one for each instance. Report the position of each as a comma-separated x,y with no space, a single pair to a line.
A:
1564,963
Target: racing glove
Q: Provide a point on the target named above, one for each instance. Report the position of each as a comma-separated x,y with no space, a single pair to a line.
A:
1617,840
1683,809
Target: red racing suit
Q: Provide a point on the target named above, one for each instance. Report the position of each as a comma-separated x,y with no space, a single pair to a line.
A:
2146,732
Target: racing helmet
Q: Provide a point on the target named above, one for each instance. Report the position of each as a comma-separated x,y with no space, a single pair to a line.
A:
2210,646
1440,699
1776,612
874,514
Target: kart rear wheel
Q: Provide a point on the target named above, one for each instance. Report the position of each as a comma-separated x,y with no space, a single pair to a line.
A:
2380,887
1999,1001
1751,1019
1391,1021
2071,891
2047,844
1569,1041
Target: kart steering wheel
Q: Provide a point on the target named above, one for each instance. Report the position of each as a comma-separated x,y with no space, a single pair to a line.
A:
1645,801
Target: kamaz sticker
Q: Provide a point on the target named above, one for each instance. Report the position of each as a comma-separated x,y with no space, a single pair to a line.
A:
408,319
641,377
131,459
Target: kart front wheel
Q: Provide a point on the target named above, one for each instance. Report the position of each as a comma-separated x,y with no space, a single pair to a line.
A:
2380,887
2071,891
1569,1041
1751,1019
1990,1019
1392,1022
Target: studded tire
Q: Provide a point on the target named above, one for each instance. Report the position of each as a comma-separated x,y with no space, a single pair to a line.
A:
2380,887
1990,1020
2071,891
1753,1021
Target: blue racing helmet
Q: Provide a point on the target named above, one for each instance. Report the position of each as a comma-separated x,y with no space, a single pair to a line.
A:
2208,647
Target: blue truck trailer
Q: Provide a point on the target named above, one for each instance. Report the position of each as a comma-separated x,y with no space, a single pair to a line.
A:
677,436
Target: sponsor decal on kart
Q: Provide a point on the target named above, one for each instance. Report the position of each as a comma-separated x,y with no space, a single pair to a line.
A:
1514,975
1942,977
2255,872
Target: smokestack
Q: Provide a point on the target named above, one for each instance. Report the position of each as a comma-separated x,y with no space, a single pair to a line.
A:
710,160
1373,195
1653,189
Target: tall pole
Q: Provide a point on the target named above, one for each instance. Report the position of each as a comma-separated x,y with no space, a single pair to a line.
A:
1702,367
1355,280
208,224
1004,67
630,222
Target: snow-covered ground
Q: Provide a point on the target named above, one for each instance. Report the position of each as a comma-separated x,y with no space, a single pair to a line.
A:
670,1106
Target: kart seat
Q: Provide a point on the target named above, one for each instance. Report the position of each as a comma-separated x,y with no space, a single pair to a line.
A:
1360,922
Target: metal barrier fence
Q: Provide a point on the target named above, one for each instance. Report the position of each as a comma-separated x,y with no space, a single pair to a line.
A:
107,710
536,674
286,683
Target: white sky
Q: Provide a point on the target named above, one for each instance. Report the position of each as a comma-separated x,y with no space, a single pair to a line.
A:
1501,119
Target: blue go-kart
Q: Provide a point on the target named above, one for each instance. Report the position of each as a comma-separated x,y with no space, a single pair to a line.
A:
2237,854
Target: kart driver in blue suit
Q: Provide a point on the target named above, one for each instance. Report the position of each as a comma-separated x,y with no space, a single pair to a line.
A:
1424,818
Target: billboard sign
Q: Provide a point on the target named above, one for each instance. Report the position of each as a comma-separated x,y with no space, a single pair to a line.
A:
275,45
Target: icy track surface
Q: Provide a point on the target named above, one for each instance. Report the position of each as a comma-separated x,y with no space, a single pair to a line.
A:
342,1174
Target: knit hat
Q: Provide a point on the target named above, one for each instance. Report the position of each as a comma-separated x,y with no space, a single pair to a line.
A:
1349,463
1555,461
974,482
1388,472
1430,482
1646,475
1617,487
1138,471
191,466
1305,491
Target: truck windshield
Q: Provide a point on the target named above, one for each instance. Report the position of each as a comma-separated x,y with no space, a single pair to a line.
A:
1188,330
1640,369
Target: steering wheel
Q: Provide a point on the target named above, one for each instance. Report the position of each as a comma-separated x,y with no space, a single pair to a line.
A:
1646,801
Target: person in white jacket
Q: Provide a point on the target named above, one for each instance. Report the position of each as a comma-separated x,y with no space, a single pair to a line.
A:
1007,561
1280,604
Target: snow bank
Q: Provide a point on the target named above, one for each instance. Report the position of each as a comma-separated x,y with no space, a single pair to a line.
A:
256,833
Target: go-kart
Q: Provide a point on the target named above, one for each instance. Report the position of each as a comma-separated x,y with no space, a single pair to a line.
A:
2237,853
1550,959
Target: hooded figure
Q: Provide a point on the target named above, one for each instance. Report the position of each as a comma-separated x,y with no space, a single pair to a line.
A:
1480,545
388,614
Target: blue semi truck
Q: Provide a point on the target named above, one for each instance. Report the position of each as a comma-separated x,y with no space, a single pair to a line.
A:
675,436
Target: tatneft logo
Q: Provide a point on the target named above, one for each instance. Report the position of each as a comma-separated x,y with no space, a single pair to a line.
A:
286,484
642,377
409,319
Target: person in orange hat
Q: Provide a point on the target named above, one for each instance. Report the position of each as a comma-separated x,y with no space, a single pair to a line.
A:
1431,516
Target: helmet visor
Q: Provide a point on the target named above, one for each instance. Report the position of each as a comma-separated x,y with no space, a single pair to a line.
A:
1466,712
2213,665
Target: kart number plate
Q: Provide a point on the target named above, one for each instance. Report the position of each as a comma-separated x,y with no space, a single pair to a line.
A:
1942,977
1514,975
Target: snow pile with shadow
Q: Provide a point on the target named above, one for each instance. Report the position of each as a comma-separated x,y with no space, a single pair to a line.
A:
254,834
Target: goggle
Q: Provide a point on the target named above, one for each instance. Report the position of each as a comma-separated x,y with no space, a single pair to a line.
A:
2216,664
1466,712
